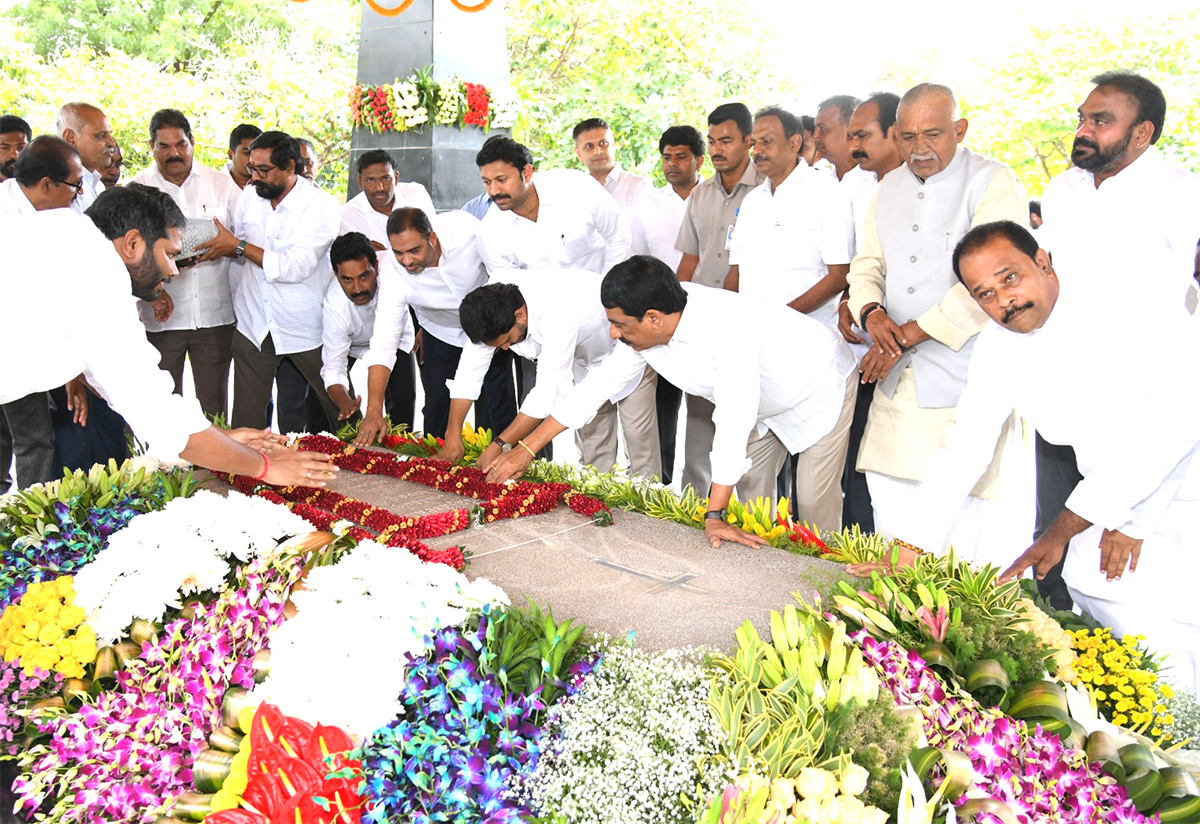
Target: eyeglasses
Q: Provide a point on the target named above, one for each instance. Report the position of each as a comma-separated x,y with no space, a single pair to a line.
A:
78,187
261,171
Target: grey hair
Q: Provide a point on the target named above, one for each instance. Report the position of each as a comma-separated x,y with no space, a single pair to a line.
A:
70,116
921,91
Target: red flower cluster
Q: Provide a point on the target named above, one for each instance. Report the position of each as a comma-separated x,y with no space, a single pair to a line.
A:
477,104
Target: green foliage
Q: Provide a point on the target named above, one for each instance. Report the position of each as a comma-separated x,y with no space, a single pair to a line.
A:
279,65
1022,106
976,638
641,65
531,651
879,739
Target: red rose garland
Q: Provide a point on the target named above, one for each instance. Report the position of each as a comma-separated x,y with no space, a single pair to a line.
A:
323,507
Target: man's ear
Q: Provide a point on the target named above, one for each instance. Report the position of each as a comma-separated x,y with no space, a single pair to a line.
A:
130,246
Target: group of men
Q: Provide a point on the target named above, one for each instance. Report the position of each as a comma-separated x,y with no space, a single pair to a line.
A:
824,307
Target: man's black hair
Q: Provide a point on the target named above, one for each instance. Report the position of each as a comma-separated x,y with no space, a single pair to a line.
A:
151,211
409,217
845,103
352,246
45,156
682,136
737,112
790,122
808,124
641,283
241,132
1035,207
886,103
985,233
284,149
12,123
373,157
169,119
587,126
490,311
499,147
1151,102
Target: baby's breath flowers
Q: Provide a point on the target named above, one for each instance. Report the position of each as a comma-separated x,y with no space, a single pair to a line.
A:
637,744
1115,671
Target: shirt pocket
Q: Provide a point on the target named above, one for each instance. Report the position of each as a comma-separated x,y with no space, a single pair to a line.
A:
576,242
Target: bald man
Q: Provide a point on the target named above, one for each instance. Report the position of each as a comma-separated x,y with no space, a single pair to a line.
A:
86,128
922,320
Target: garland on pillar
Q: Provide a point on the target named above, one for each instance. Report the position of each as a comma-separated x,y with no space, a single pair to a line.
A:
418,100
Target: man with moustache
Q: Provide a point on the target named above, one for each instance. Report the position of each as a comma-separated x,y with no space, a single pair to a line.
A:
439,264
87,129
111,177
193,318
872,134
705,237
280,239
921,319
348,323
1150,214
128,242
15,135
657,217
829,132
1137,498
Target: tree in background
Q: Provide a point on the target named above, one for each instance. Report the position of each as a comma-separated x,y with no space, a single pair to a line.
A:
1023,108
280,65
642,65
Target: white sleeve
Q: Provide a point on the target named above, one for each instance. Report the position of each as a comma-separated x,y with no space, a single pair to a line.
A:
837,228
473,366
318,228
581,403
555,365
736,396
391,321
612,226
335,346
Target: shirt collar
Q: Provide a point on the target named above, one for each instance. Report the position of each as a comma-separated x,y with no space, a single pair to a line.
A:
23,204
296,198
959,153
614,175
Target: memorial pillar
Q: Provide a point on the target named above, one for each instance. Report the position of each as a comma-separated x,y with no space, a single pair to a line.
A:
470,44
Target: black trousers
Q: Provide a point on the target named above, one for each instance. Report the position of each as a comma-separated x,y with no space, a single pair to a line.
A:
440,362
856,497
79,447
667,398
27,434
1057,476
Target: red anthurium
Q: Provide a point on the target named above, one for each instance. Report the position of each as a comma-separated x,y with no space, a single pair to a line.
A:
236,817
325,741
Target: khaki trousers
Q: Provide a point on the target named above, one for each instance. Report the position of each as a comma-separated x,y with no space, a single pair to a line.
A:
697,444
819,469
597,440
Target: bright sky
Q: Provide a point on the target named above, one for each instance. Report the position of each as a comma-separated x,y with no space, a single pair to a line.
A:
848,55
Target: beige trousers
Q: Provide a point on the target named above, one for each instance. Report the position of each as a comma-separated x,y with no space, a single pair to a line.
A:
819,469
597,440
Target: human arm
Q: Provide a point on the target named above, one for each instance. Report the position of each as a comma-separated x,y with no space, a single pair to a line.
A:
718,529
163,306
1047,550
336,341
687,267
520,428
452,442
733,280
373,424
819,293
846,322
225,244
513,463
77,399
612,226
464,389
213,449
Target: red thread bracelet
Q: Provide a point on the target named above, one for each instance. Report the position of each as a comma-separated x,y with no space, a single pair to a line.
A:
266,467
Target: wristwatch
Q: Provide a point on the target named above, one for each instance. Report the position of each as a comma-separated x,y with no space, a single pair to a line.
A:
868,309
716,514
240,251
503,444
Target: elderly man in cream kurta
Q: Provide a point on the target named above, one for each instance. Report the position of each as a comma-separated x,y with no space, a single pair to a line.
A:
904,293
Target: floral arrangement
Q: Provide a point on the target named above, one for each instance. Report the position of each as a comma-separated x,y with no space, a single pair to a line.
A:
637,743
180,550
1118,675
1051,634
815,795
353,682
45,631
18,692
411,103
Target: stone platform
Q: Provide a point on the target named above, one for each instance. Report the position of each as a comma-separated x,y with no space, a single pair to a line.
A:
661,581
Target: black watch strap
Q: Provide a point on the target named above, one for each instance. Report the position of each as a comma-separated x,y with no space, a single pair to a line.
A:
716,514
868,309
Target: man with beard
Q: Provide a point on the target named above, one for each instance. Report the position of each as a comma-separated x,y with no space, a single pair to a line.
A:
1149,212
99,335
47,175
87,129
15,135
705,237
193,319
921,319
768,402
348,323
281,237
111,177
440,263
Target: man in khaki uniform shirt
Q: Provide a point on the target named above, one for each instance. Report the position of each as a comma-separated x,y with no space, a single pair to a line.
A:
904,293
704,239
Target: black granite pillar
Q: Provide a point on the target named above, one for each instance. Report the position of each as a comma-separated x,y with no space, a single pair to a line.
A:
471,45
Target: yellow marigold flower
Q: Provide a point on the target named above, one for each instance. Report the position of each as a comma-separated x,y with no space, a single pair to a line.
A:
1167,692
1168,719
69,668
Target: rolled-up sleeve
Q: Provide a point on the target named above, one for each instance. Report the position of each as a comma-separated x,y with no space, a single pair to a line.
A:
473,366
579,405
391,321
335,345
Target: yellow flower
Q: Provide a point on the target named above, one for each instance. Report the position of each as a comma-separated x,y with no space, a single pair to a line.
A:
70,617
1166,692
69,667
854,780
50,633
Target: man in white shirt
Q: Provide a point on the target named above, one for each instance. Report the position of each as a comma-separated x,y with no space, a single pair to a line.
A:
46,175
767,401
15,135
596,150
87,129
367,212
193,318
240,139
657,216
924,337
349,311
280,237
791,246
1138,498
437,264
99,334
830,128
556,319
